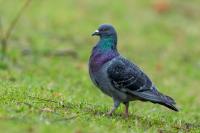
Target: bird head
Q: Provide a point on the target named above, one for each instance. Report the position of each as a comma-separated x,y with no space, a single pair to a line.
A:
105,30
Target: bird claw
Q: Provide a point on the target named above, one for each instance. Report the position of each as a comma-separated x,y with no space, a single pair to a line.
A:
126,115
109,113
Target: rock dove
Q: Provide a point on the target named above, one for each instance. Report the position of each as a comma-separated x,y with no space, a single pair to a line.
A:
119,78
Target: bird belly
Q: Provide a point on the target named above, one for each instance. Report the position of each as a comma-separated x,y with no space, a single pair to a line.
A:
101,80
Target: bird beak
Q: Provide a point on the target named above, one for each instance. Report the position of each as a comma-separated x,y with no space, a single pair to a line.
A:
96,33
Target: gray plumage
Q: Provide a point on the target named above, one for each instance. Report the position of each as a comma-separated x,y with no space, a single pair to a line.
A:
118,77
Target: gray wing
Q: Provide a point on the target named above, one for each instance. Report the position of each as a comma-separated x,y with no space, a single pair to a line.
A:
125,75
128,78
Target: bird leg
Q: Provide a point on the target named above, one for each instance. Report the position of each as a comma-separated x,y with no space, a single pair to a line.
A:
115,106
126,114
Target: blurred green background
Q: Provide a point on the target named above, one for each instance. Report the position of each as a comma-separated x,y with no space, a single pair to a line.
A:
44,81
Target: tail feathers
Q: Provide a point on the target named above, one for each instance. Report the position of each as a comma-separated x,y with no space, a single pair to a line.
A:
170,99
156,97
171,106
167,102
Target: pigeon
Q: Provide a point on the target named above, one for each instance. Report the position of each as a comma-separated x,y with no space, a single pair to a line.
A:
118,77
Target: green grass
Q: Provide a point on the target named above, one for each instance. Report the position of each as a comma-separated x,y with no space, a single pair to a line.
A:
41,91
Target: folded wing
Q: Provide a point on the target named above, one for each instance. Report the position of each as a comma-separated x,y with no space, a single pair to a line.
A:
128,78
